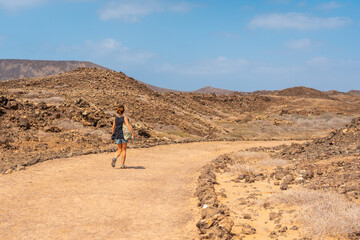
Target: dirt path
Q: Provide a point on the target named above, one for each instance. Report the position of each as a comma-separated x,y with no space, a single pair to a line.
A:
84,198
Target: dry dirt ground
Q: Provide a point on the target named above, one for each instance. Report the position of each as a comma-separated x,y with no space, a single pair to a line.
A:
83,197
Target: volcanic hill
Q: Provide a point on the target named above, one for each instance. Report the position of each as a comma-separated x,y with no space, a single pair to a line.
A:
71,113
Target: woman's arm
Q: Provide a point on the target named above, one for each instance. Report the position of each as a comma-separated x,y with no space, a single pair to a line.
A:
129,127
113,127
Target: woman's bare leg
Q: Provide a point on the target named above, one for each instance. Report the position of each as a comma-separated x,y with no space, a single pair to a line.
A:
119,150
123,148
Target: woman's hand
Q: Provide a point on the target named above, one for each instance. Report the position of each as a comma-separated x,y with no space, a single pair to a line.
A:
133,137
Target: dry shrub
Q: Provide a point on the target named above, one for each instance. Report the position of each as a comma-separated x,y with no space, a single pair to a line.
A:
273,162
322,213
249,156
321,122
244,160
242,168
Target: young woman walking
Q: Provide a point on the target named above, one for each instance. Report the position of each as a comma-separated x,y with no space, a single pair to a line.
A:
118,135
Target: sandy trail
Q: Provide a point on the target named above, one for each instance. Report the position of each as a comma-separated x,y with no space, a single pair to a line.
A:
85,198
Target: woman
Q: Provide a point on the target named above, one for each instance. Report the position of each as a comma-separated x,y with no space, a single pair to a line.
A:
117,134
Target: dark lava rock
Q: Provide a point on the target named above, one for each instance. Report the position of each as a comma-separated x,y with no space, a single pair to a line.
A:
3,101
144,133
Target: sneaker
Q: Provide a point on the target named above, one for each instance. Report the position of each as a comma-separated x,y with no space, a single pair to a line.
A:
122,166
113,162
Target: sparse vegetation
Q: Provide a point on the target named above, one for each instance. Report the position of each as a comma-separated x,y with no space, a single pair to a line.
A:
322,213
249,156
273,162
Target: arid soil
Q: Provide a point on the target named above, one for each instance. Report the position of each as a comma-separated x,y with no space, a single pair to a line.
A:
71,114
85,198
305,190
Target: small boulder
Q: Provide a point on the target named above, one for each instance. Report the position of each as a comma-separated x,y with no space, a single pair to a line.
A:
208,212
247,216
248,230
273,215
3,101
24,123
226,224
283,186
294,228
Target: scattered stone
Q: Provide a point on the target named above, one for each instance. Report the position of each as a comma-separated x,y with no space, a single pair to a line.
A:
20,167
273,234
273,216
247,216
283,186
242,201
24,123
294,228
248,230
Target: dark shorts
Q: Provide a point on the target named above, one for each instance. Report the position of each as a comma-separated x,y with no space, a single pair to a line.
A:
119,141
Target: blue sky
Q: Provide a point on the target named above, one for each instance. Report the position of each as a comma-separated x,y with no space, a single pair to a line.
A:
235,44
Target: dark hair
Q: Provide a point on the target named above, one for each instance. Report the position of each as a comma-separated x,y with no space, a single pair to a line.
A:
120,109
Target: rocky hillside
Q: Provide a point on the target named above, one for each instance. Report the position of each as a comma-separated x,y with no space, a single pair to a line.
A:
17,68
303,92
72,113
327,163
354,92
342,142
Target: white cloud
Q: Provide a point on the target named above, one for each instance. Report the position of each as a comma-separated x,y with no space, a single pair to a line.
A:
329,5
318,62
127,10
297,21
109,50
217,66
321,61
16,5
301,44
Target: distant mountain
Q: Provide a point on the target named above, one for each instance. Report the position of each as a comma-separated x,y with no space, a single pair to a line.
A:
18,68
303,92
354,92
218,91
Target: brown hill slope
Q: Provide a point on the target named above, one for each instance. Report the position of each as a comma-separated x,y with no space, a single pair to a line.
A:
72,113
354,92
342,142
303,92
18,68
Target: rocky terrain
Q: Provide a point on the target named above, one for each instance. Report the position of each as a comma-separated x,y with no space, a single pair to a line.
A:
71,114
299,191
306,190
